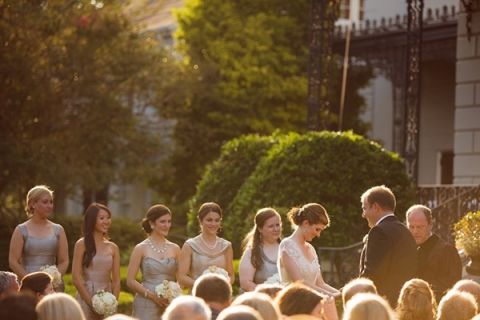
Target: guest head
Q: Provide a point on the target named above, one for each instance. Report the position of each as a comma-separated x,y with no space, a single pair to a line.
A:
18,306
456,305
312,218
97,218
39,199
376,203
59,306
368,306
267,228
261,303
239,312
210,216
416,301
214,289
470,286
419,222
288,300
119,316
153,219
270,289
8,283
39,283
187,308
357,285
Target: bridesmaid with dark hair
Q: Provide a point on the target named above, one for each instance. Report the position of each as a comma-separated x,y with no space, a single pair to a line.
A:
207,249
259,260
96,260
157,258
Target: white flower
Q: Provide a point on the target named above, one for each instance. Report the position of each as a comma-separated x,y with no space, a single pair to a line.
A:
274,279
217,270
54,273
104,303
168,290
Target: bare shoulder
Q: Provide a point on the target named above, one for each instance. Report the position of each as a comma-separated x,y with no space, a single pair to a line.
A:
80,244
175,246
112,245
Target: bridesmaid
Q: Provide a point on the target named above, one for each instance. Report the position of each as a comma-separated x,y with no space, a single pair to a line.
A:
157,258
96,260
298,260
206,249
38,241
259,260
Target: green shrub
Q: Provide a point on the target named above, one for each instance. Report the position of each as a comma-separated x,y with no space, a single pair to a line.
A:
225,176
467,233
330,168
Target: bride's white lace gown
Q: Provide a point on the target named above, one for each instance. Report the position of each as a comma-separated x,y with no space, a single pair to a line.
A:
309,269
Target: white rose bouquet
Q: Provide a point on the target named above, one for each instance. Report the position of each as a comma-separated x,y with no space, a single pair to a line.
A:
168,290
54,273
104,303
274,279
217,270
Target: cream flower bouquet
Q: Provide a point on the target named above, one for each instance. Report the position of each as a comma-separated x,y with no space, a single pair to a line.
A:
54,273
168,290
104,303
274,279
217,270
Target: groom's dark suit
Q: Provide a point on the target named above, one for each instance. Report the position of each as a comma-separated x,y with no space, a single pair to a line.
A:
389,257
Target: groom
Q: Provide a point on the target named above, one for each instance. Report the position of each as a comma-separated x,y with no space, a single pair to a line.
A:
389,253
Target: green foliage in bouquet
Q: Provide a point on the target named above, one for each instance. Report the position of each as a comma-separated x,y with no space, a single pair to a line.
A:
467,233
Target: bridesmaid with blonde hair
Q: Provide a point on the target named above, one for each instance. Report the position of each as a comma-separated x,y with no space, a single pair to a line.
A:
259,260
96,260
38,242
206,249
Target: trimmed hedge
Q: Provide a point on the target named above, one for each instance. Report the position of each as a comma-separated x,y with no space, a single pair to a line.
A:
330,168
224,177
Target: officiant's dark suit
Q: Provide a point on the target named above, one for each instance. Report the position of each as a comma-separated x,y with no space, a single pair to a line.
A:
389,254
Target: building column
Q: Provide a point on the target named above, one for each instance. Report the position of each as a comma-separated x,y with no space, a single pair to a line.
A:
467,96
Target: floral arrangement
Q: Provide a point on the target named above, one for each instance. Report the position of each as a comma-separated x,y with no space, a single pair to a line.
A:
104,303
467,233
217,270
274,279
168,290
54,273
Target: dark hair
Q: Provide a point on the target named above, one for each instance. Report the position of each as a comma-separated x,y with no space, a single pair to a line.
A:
208,207
155,212
36,282
18,306
89,222
253,240
288,299
314,213
380,195
269,288
212,288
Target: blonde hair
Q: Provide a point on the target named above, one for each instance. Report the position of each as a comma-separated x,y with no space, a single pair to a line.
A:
457,305
260,302
34,195
357,285
416,301
365,306
59,306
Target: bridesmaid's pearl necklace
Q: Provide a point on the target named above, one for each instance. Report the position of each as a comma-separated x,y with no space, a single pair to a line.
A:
160,250
207,245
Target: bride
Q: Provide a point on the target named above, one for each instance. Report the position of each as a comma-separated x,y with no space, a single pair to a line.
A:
297,258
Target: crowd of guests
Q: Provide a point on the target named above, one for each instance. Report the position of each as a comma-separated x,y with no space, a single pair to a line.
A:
404,269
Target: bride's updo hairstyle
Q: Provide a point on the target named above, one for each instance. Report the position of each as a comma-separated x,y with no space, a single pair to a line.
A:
152,215
314,213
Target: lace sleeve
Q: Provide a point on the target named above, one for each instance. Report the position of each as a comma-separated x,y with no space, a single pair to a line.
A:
290,249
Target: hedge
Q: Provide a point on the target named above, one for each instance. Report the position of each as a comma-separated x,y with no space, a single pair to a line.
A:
330,168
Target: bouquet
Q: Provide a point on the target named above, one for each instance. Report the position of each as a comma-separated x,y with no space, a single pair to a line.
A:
104,303
217,270
168,290
54,273
274,279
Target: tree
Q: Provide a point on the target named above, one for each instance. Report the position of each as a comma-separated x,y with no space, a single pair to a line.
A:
246,65
76,81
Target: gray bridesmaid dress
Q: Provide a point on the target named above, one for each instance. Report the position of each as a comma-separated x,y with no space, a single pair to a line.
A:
268,269
154,271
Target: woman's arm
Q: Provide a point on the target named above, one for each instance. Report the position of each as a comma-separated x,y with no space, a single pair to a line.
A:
116,271
62,254
77,272
184,264
325,287
229,263
15,253
246,271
